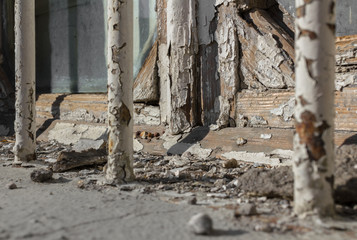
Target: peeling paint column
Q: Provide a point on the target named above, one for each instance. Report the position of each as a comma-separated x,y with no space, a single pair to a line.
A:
120,96
314,113
182,50
228,60
25,122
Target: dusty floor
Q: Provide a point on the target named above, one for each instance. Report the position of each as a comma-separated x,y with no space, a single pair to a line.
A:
168,191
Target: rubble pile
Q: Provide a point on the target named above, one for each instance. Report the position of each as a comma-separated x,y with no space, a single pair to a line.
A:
255,192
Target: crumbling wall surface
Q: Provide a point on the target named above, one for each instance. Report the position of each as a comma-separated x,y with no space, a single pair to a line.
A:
182,50
346,61
228,61
267,52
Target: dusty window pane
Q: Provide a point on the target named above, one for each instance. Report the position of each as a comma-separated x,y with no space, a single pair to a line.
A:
144,31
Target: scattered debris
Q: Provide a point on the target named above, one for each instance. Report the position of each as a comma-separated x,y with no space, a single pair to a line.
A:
247,209
41,175
85,144
263,227
285,110
260,157
266,136
192,201
241,141
137,145
81,184
201,224
197,151
257,121
277,182
232,163
11,186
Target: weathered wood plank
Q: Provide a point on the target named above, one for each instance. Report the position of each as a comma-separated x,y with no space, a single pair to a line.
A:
274,106
70,160
146,85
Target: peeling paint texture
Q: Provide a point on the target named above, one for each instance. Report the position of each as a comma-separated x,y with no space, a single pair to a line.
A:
25,125
120,97
182,43
228,60
314,112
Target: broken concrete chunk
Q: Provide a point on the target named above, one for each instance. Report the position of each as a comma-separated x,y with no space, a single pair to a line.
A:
86,144
41,175
11,186
192,201
201,224
70,133
146,115
260,158
285,110
247,209
270,183
266,136
197,151
257,120
70,160
137,145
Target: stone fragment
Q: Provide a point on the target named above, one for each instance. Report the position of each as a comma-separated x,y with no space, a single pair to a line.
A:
201,224
285,110
41,175
266,136
241,141
11,186
81,184
247,209
192,201
137,145
257,120
197,151
232,163
85,144
271,183
263,227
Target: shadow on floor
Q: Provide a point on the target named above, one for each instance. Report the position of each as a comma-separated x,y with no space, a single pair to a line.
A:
55,112
196,135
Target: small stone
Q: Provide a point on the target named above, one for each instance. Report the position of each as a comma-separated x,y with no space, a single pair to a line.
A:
232,163
41,175
214,127
201,224
144,135
263,227
266,136
247,209
11,186
80,184
241,141
192,201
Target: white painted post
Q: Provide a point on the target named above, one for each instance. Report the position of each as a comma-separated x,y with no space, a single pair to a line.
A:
25,76
183,45
120,94
314,113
